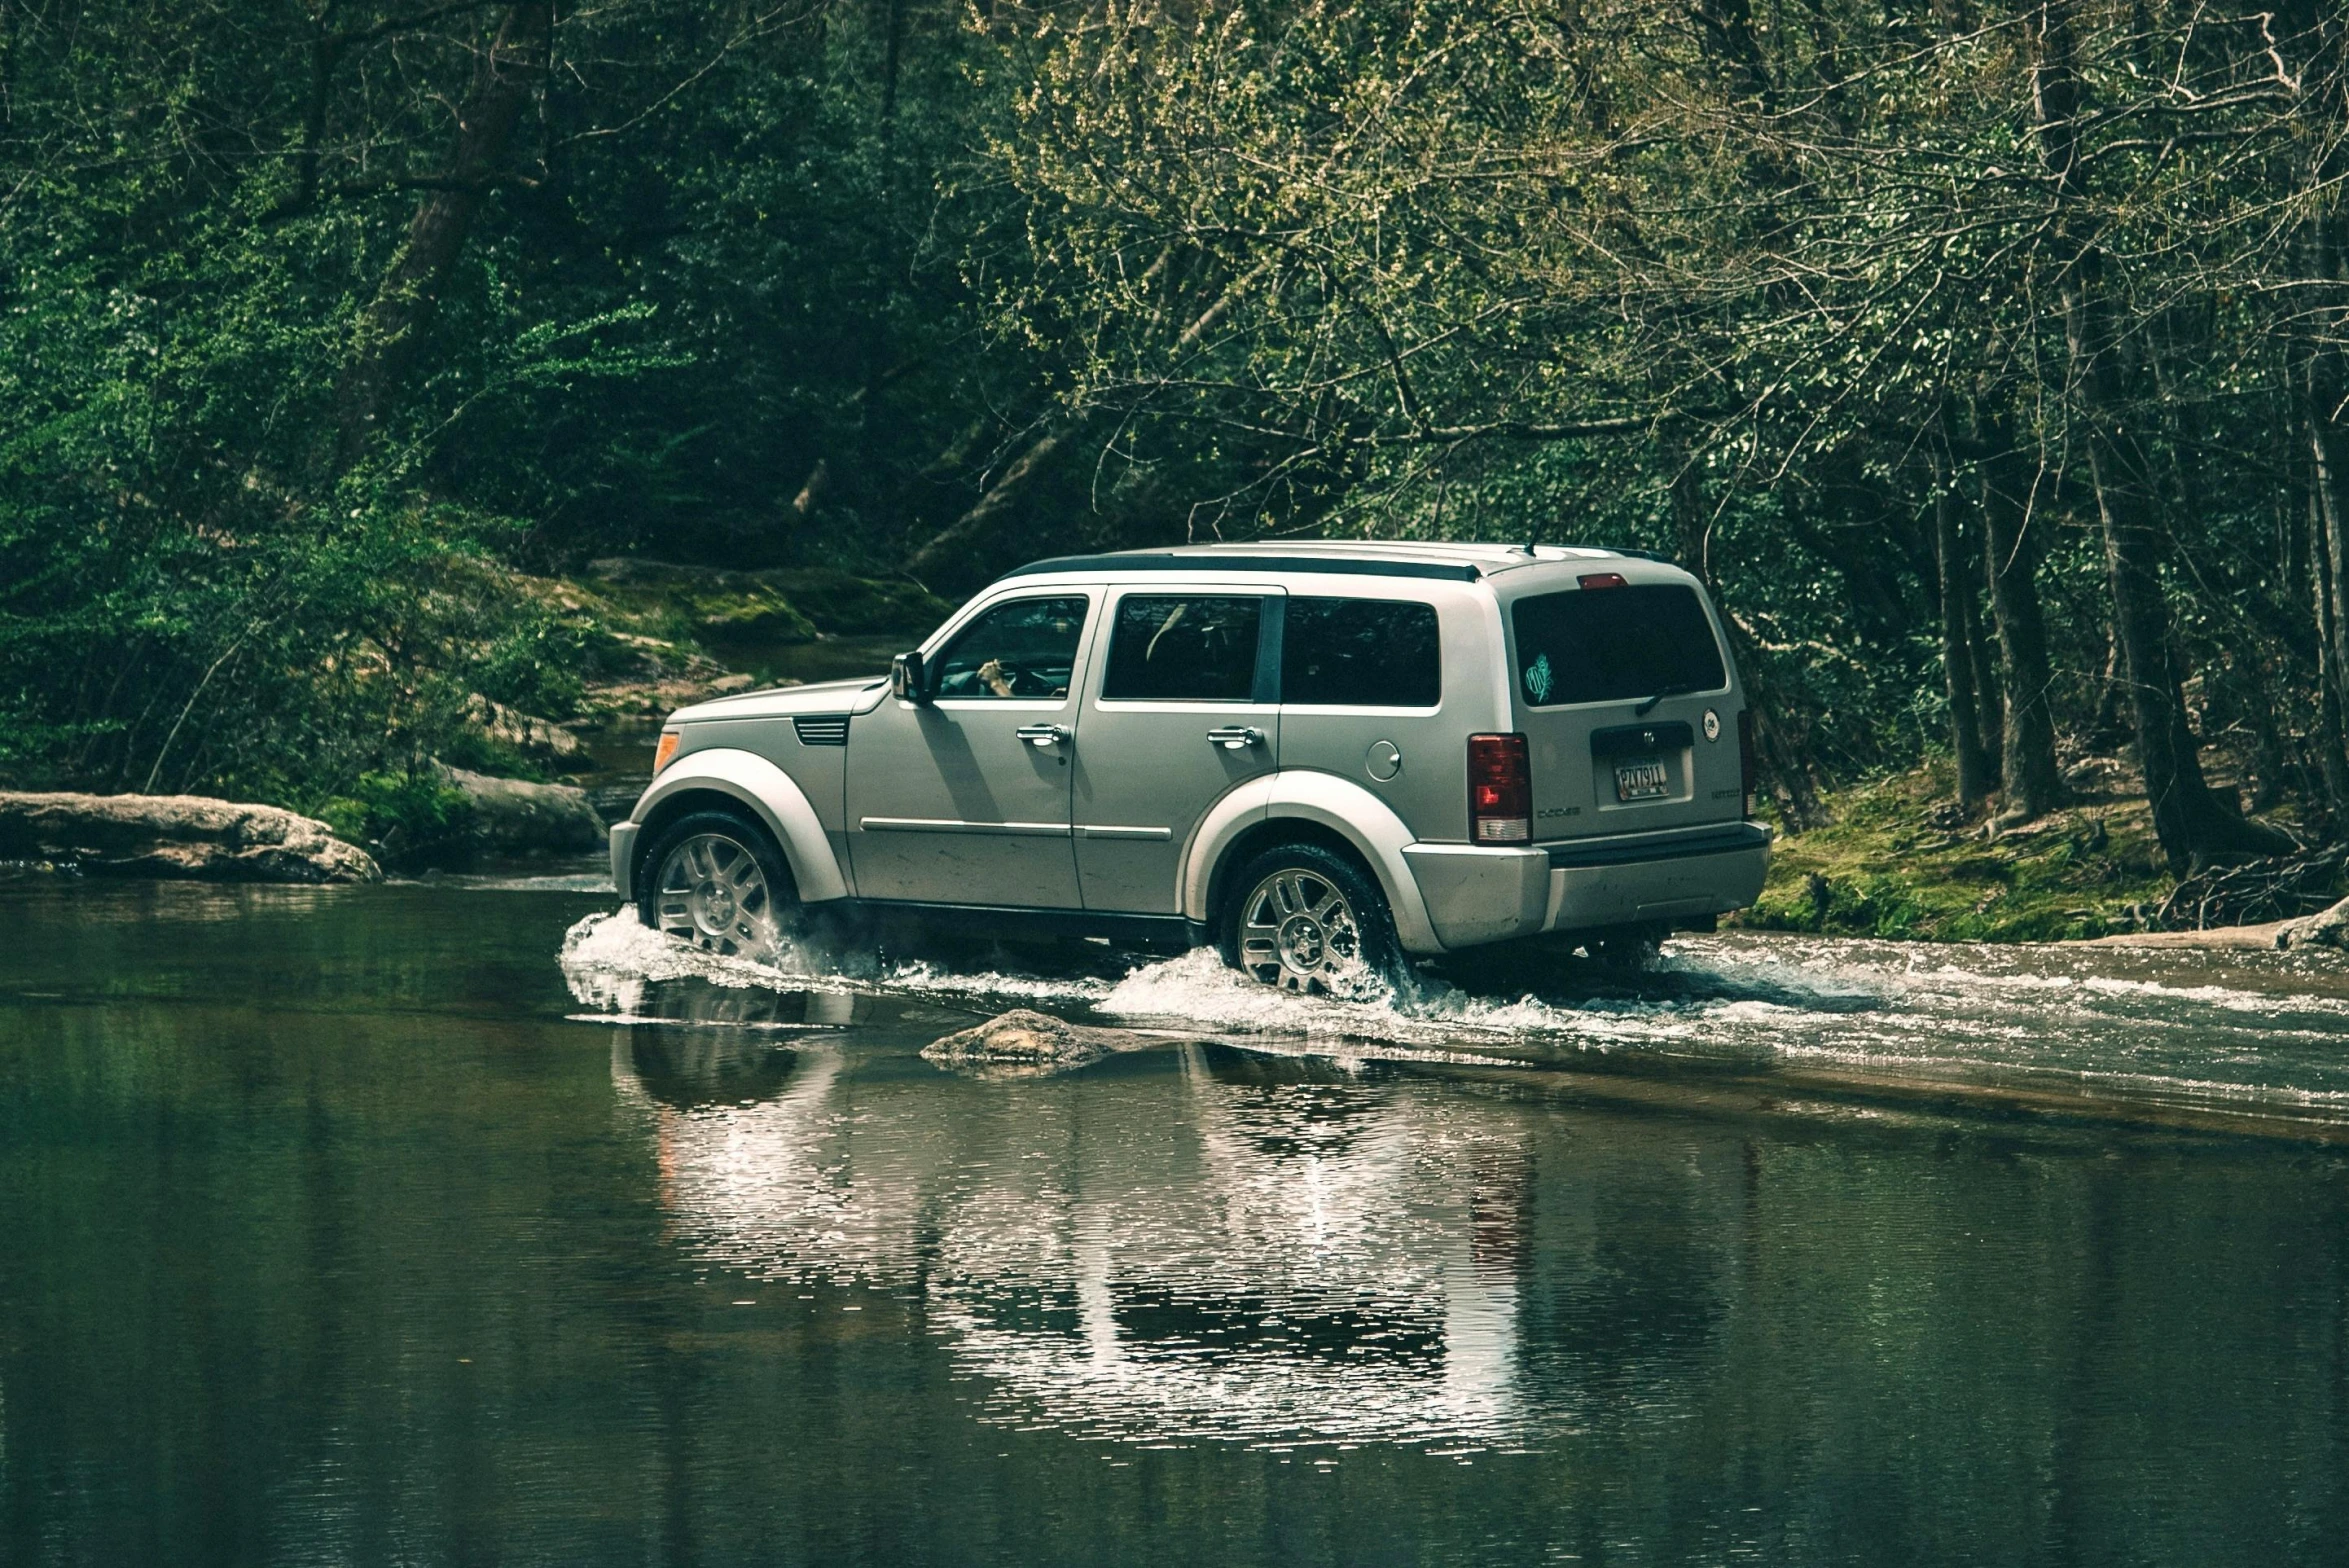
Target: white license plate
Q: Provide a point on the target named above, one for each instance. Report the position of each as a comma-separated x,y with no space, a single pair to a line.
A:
1641,780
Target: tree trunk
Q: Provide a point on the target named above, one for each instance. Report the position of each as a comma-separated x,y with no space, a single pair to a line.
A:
2193,827
992,513
2332,758
2321,388
2319,383
383,349
1778,742
2027,772
1989,696
993,510
1957,653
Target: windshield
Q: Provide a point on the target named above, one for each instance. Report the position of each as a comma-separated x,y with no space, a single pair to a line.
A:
1615,644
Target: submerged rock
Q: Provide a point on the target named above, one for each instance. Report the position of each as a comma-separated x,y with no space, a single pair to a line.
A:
1023,1043
191,836
517,816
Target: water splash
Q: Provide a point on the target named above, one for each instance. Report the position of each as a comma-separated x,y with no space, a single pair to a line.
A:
2234,1026
609,959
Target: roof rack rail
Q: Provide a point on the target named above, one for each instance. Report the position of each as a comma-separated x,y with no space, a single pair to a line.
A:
1348,566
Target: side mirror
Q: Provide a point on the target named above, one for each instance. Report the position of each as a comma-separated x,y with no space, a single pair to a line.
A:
906,678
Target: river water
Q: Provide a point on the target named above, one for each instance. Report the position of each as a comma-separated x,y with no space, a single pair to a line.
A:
462,1223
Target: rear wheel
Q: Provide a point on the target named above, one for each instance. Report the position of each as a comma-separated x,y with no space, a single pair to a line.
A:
718,881
1627,948
1307,919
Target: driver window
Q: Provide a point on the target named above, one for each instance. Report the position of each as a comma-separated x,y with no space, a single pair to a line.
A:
1024,649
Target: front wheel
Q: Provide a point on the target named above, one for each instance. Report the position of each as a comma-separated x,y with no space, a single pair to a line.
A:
718,881
1308,920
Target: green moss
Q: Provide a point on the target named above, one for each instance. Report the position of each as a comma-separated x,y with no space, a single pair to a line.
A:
780,606
1894,863
841,604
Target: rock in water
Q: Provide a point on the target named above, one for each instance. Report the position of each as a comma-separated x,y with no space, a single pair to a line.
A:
177,836
1020,1042
514,815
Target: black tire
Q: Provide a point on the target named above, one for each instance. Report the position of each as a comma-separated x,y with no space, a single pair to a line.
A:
1243,930
1629,949
770,923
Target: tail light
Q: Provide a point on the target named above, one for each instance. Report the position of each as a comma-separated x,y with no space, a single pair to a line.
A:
1601,580
1745,756
1500,790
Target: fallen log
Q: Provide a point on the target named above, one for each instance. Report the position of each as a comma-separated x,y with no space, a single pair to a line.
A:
2326,928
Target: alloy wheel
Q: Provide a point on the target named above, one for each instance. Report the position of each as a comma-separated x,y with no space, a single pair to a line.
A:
1298,932
712,892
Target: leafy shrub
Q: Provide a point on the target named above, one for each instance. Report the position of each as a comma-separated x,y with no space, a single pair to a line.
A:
404,818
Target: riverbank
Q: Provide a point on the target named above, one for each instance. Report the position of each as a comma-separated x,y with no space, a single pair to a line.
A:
619,645
1898,861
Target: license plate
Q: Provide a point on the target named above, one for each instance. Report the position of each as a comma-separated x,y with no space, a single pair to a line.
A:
1641,780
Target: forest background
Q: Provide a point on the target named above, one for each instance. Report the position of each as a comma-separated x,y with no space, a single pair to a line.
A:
1987,360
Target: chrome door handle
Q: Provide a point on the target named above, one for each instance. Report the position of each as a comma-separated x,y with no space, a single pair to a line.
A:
1042,734
1235,737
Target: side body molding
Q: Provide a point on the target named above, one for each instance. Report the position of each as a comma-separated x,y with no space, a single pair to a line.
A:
769,791
1353,812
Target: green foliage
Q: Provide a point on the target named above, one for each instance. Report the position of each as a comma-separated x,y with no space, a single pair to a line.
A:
404,817
648,349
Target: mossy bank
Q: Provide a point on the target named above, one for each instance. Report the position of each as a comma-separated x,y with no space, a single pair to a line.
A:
1898,860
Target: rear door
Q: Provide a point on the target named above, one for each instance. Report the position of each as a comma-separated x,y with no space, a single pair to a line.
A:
1625,694
1363,678
1182,710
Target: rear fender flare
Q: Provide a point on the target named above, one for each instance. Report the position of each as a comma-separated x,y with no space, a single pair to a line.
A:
772,795
1340,805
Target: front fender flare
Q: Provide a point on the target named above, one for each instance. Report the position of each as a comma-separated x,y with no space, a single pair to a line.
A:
770,792
1346,808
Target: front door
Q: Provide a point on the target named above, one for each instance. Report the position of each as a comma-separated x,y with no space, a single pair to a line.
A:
965,799
1182,709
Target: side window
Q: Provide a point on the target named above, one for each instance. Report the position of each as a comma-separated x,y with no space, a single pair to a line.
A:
1190,648
1026,648
1361,653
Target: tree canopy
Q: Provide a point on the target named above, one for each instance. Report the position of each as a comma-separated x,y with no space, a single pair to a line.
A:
1986,359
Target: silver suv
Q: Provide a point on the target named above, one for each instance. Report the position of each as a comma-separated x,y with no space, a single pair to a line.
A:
1320,757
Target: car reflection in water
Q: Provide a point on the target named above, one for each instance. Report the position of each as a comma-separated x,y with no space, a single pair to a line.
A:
1206,1244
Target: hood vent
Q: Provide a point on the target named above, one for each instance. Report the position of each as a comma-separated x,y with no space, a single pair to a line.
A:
821,729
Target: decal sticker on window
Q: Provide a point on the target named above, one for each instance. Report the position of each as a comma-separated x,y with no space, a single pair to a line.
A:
1538,679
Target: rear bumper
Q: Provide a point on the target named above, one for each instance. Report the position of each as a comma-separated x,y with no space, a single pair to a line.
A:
624,858
1476,895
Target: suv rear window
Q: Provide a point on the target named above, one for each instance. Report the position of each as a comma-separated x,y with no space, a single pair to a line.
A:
1361,653
1610,644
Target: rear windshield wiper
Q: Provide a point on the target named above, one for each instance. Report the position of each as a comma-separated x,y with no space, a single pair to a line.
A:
1681,690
